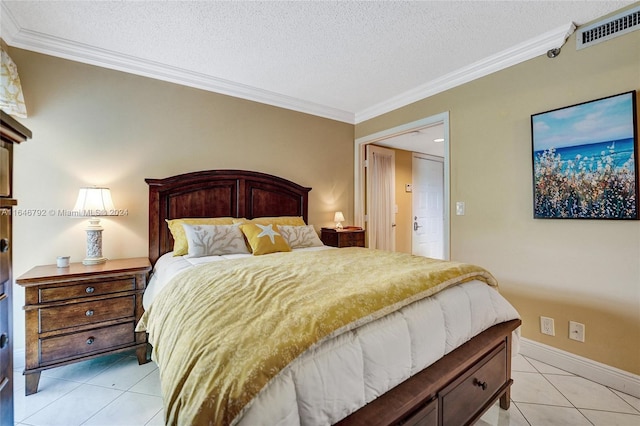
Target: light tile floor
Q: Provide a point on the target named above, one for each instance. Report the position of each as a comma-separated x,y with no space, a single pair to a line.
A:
116,391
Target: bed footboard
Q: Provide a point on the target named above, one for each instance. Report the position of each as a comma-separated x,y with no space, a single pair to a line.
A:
456,390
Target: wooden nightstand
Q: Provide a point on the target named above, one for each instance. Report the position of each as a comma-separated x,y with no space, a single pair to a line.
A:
82,312
342,238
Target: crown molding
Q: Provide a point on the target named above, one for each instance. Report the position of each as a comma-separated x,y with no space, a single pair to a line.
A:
19,37
519,53
35,41
8,25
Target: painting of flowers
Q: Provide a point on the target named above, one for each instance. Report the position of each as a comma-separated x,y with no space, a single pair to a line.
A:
585,160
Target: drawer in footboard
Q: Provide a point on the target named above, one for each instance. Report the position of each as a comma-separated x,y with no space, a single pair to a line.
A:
459,401
425,416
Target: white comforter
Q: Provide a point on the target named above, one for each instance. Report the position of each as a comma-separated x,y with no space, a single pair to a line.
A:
331,381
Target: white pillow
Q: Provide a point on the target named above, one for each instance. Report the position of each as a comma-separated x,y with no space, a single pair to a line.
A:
300,236
214,240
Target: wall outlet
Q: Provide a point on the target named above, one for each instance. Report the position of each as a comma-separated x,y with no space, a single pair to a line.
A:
576,331
547,326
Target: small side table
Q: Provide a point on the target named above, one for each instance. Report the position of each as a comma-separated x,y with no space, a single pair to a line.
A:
347,237
82,312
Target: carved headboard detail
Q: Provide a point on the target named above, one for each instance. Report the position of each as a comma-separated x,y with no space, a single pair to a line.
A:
218,193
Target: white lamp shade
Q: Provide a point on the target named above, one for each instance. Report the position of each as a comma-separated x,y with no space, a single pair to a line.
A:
93,201
338,217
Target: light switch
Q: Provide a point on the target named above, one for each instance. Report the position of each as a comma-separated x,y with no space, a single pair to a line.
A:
460,208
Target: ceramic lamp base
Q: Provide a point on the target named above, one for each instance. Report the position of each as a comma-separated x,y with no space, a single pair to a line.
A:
94,244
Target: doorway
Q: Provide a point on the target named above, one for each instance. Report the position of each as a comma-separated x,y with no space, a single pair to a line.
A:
393,138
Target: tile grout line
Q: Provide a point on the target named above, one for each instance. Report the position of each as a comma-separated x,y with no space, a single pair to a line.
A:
124,392
521,413
101,409
628,403
575,375
153,417
50,402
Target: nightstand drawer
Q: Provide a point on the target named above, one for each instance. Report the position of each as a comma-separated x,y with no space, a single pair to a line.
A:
60,317
352,239
85,289
77,344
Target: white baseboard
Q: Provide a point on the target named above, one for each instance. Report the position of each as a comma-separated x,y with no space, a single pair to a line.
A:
612,377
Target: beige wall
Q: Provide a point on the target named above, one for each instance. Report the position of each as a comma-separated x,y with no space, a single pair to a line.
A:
581,270
98,126
403,200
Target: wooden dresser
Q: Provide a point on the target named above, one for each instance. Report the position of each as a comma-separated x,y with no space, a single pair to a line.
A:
82,312
347,237
11,132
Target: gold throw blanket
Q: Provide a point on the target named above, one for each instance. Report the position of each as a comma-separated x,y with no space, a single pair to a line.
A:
222,330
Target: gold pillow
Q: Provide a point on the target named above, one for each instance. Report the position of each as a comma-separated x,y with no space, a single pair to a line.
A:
279,220
264,239
180,244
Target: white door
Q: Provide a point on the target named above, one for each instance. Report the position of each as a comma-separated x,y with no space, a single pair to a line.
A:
381,197
428,206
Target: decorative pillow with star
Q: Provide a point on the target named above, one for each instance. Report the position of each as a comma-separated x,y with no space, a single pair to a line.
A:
264,238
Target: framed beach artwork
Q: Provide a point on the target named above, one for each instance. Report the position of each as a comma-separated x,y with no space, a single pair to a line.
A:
585,160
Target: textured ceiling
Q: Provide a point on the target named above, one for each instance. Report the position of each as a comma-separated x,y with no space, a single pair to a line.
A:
347,57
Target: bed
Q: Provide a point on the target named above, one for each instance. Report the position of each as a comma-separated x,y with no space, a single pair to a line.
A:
449,381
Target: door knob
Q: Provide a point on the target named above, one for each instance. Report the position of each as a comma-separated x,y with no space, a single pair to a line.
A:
416,226
4,245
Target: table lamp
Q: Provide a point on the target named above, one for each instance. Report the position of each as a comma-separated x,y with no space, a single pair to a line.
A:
338,218
94,202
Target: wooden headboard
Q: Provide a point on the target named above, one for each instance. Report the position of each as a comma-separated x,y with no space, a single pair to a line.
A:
218,193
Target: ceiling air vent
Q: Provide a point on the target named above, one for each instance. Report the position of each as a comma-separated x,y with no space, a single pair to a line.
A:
609,28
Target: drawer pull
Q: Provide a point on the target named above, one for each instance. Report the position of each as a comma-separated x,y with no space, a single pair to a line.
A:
90,340
89,313
478,383
4,340
90,290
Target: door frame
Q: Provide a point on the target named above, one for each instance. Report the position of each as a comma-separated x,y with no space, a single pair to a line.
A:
359,190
